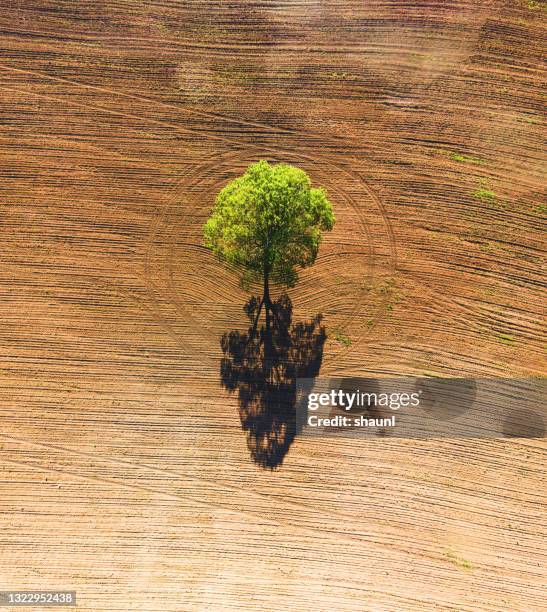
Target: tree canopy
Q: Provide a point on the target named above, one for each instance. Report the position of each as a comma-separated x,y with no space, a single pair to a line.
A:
269,223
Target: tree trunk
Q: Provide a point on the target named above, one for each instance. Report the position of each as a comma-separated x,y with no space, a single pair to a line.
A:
267,363
266,296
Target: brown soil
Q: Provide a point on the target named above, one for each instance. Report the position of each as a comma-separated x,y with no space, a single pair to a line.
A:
127,475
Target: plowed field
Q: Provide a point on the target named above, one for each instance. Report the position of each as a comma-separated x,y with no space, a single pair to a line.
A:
129,474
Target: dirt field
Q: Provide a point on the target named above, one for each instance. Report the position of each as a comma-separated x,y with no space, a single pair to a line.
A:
126,473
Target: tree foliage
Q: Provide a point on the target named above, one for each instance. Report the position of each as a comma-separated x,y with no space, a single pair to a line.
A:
269,223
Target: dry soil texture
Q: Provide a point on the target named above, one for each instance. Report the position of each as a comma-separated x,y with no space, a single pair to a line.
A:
126,473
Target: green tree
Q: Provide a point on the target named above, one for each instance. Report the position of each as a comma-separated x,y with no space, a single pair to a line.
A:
268,222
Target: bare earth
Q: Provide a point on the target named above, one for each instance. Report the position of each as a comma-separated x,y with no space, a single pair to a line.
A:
126,474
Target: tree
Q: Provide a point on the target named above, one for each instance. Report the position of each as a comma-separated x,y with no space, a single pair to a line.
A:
269,222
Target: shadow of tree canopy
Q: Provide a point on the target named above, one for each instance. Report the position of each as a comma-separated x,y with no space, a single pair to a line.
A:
262,366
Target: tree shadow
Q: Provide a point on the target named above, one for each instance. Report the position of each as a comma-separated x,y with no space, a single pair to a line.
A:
262,365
